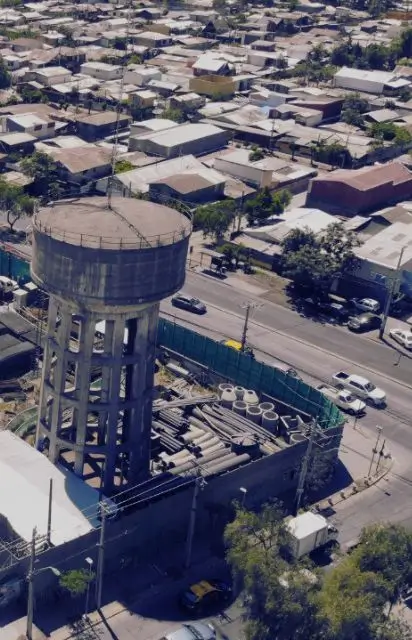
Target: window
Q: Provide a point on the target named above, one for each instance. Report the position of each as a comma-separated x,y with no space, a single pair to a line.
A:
37,127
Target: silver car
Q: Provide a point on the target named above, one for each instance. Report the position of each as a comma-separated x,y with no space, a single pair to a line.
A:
192,631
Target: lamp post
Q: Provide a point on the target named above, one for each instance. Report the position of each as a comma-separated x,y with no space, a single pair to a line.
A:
243,491
89,562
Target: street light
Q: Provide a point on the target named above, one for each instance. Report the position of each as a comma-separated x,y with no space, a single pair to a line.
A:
243,491
30,595
89,562
375,449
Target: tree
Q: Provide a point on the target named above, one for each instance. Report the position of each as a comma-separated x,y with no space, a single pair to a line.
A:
266,204
278,596
44,171
387,550
352,601
5,77
76,581
215,219
177,115
315,261
123,165
15,203
256,154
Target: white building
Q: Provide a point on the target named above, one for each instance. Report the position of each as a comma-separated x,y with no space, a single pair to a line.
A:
140,75
48,76
102,70
375,82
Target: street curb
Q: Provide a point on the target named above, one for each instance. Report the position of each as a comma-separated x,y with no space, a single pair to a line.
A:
367,482
301,341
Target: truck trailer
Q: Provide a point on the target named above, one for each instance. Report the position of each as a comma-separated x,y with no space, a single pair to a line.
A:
308,532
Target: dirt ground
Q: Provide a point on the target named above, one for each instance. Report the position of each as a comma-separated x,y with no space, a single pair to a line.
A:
275,286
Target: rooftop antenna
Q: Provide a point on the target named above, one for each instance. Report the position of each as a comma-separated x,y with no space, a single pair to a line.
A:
118,109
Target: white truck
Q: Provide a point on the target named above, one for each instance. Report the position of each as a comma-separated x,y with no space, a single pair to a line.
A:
343,399
308,532
360,387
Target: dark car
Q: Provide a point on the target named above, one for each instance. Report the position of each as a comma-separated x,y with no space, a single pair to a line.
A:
205,595
364,322
187,303
335,310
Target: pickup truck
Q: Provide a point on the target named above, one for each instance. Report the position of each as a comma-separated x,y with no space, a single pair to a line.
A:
343,399
360,387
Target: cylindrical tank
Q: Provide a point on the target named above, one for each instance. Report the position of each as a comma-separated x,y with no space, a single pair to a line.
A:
240,392
254,413
239,406
245,444
267,406
224,386
251,397
228,397
270,421
106,263
295,437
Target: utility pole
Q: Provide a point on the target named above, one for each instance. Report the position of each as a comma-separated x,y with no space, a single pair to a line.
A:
305,465
380,454
248,306
391,293
100,557
49,514
199,484
30,587
375,448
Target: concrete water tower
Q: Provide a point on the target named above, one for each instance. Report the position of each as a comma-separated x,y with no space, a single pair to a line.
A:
106,268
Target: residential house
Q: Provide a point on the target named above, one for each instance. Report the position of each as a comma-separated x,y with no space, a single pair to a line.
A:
376,82
213,86
26,44
17,143
102,70
211,64
29,123
353,192
84,164
144,99
271,172
48,76
196,139
99,125
141,75
191,188
153,40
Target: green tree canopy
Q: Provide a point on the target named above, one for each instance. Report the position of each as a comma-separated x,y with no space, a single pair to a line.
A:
15,203
215,219
76,581
5,77
266,204
44,171
314,261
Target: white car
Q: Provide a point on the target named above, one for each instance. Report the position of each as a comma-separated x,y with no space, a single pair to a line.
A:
366,304
192,631
403,337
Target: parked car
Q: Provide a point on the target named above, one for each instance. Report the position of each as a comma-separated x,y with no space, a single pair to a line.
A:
360,387
205,595
403,337
187,303
365,304
364,322
192,631
336,310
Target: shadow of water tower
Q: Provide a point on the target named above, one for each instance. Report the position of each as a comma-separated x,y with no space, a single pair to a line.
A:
106,268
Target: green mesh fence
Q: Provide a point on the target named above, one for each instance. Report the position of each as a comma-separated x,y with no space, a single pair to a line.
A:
247,372
14,267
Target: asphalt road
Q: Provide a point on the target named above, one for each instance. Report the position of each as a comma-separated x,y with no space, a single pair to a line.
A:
317,350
